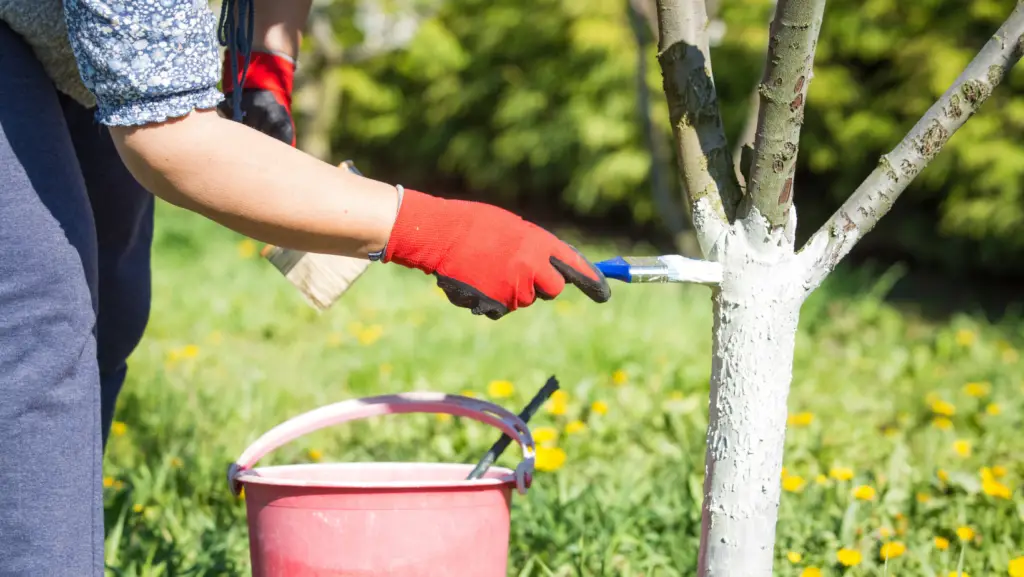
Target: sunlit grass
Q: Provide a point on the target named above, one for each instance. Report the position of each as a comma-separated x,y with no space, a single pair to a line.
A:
903,449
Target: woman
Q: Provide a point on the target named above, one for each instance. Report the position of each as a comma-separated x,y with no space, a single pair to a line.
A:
103,102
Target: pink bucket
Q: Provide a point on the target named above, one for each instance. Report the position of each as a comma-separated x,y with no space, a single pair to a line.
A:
380,519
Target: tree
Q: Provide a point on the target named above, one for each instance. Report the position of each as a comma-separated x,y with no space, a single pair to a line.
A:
751,233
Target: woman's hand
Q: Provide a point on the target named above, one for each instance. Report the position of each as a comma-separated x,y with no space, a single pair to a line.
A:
266,93
266,97
485,258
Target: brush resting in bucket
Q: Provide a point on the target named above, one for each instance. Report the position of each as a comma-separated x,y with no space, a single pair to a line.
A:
381,519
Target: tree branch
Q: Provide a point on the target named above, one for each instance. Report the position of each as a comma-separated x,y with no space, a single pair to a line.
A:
712,191
661,190
793,38
895,171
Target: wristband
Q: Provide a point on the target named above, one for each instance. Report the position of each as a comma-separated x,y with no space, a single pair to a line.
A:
378,255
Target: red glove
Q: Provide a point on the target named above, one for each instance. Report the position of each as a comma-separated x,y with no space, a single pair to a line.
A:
266,94
486,258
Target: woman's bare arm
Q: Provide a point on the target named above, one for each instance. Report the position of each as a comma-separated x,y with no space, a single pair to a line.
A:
258,186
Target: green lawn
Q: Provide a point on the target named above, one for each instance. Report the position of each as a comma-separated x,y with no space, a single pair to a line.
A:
232,350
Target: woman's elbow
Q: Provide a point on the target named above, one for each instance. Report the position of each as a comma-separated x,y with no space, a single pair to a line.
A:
156,153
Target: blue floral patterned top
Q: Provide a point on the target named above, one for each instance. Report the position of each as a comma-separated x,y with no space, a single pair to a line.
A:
146,60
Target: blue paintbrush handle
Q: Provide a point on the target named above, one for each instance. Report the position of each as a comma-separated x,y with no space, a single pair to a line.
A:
616,268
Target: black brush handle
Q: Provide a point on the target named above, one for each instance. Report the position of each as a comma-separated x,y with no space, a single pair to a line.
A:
499,447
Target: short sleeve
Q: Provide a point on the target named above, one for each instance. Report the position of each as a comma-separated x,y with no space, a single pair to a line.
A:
145,60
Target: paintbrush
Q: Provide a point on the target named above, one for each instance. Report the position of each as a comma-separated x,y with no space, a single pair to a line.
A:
499,447
320,278
668,268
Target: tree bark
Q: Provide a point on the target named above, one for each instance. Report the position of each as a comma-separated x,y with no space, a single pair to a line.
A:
793,38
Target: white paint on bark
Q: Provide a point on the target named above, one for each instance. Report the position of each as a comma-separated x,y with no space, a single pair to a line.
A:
756,311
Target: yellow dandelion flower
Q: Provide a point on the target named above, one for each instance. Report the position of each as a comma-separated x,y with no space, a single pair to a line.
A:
176,463
811,572
848,557
800,419
892,550
942,475
468,393
965,337
558,404
117,428
370,334
965,533
994,488
794,557
315,455
923,497
942,423
443,417
676,396
962,447
999,471
500,389
599,407
108,482
138,508
241,494
886,532
246,248
959,574
977,389
1016,567
793,483
941,543
189,351
841,473
620,377
549,458
864,492
545,435
575,426
944,408
993,409
821,480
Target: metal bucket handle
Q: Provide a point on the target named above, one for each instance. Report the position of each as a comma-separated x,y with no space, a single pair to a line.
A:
414,402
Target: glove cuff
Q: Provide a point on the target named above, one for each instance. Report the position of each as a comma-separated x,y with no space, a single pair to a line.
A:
422,231
268,71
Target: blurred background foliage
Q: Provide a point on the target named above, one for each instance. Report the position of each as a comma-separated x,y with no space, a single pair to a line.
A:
536,105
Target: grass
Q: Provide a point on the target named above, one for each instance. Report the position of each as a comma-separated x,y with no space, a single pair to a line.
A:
880,407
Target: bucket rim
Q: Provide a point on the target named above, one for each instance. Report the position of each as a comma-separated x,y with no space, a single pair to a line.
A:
252,477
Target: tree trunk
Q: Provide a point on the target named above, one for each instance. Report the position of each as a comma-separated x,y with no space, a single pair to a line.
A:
756,311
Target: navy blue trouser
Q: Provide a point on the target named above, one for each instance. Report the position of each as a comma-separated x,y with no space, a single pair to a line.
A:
75,235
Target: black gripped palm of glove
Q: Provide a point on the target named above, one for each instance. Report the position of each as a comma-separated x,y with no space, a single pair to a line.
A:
266,96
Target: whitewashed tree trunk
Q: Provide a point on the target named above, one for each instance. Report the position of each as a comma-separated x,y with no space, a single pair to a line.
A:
751,234
756,309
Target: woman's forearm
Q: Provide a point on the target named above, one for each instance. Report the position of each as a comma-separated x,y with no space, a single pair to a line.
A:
278,25
259,186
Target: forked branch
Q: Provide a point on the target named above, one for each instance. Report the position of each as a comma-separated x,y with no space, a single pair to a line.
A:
712,191
787,74
896,170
